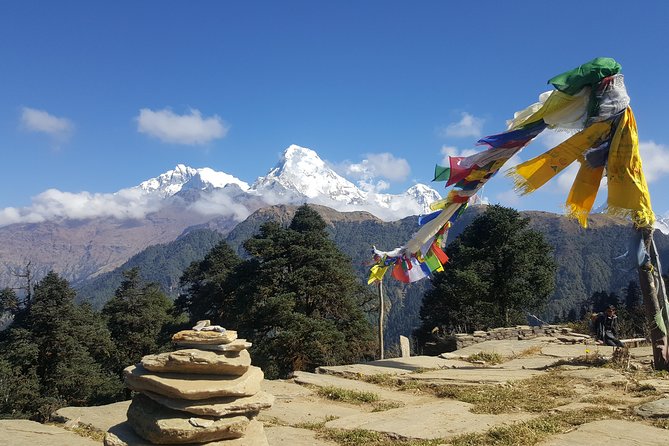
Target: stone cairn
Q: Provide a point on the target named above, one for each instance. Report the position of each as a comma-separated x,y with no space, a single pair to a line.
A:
205,393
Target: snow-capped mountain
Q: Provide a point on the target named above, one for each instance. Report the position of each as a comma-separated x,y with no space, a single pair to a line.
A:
300,176
662,224
183,177
301,170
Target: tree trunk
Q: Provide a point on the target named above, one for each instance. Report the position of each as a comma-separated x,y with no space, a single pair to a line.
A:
650,287
381,311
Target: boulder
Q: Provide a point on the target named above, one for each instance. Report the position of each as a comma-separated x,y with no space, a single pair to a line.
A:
193,386
123,435
217,407
199,362
204,337
161,425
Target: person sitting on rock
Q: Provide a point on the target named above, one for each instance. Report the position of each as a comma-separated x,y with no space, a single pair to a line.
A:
606,327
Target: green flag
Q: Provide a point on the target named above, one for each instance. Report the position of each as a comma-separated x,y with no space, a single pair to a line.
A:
441,173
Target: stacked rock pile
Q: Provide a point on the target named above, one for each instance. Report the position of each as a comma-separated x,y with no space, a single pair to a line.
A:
205,393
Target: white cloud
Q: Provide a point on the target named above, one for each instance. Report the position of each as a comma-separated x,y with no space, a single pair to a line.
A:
655,159
376,165
41,121
468,125
189,129
219,203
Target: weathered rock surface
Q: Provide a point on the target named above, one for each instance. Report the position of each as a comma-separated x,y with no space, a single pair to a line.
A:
654,409
597,374
31,433
98,417
441,419
193,386
217,407
292,436
123,435
576,350
161,425
234,346
199,361
612,432
504,347
395,366
473,375
204,337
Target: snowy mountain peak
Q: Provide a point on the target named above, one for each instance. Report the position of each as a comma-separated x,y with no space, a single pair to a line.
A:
183,177
301,170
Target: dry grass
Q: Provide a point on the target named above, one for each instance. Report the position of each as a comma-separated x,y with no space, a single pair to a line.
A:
491,358
356,397
361,437
532,432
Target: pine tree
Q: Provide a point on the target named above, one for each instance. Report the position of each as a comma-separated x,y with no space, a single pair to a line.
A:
139,318
203,284
298,299
52,354
499,269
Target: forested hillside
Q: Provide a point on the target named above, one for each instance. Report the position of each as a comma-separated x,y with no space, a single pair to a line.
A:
586,258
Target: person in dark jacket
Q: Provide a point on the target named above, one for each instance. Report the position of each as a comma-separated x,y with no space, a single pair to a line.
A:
606,327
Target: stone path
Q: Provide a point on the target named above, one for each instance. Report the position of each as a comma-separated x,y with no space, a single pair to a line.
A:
30,433
612,432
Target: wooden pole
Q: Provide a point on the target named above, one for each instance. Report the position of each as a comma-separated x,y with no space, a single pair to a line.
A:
648,281
381,311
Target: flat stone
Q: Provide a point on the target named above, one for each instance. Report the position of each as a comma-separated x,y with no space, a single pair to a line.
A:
282,389
597,374
654,409
440,419
531,362
204,337
661,385
199,361
576,350
503,347
97,417
384,393
292,436
217,407
31,433
123,435
473,375
307,409
159,424
612,432
394,366
193,387
641,352
234,346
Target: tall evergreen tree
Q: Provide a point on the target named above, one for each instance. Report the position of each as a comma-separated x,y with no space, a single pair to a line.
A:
203,283
53,354
139,318
298,299
499,269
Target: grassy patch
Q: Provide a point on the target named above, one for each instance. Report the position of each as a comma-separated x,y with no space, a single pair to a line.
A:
587,360
491,358
315,425
87,431
361,437
534,431
532,351
347,396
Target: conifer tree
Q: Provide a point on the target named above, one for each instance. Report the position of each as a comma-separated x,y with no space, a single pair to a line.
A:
203,283
139,318
499,269
298,299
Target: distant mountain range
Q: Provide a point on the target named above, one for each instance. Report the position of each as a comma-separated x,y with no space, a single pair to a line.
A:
103,235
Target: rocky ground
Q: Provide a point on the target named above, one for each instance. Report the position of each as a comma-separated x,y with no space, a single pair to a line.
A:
541,391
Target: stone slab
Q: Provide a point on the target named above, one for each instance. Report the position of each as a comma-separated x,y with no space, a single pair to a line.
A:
309,409
575,350
97,417
441,419
473,375
292,436
531,362
217,407
641,352
503,347
384,393
654,409
193,387
31,433
234,346
282,389
199,361
612,432
204,337
659,384
597,374
161,425
123,435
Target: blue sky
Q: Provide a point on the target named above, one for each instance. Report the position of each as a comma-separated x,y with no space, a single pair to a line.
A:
96,97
